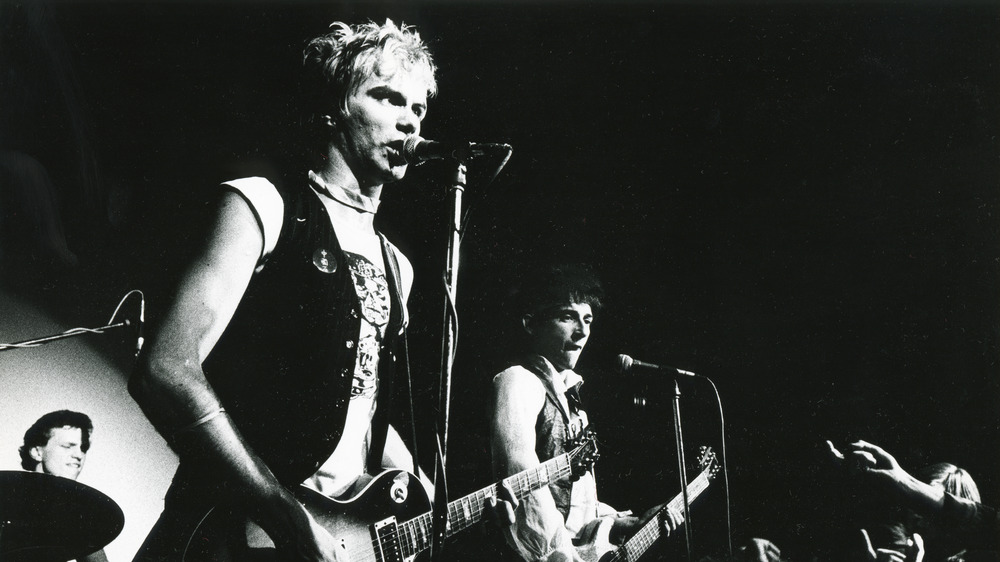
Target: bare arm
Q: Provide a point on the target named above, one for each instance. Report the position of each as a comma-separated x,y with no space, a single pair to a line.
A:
878,465
172,390
975,523
169,383
518,399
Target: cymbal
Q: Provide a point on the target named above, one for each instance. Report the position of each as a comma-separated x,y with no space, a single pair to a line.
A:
50,518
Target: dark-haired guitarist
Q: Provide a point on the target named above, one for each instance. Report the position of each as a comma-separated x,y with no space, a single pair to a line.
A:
537,410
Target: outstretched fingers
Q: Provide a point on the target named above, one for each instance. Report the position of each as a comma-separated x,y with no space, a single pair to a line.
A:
878,454
833,453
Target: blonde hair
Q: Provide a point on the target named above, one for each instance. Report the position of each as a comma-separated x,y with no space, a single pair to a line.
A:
335,64
954,480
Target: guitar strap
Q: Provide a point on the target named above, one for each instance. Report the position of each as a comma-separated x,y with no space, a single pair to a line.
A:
395,330
573,398
404,342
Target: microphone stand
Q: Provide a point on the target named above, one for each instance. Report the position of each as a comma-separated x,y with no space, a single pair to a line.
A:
682,466
448,339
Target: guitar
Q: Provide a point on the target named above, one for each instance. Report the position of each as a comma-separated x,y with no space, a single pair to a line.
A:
369,522
651,532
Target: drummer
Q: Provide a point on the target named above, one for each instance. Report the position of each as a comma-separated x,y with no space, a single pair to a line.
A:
57,444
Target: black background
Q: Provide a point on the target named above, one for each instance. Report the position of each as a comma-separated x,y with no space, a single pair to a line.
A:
795,200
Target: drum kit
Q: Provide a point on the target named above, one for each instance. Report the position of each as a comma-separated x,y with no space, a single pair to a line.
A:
45,518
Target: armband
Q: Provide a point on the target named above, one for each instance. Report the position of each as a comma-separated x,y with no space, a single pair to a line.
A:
200,421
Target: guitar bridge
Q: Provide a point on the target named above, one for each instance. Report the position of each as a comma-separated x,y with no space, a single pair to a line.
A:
386,539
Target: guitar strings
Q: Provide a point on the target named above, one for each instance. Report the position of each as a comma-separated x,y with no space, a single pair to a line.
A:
413,531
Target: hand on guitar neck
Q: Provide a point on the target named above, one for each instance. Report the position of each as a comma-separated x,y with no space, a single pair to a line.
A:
501,507
625,527
658,522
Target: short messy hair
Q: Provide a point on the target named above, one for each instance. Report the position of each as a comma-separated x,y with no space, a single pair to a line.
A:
547,286
336,63
40,432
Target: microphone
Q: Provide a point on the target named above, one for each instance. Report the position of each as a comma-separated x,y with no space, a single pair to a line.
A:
627,365
417,149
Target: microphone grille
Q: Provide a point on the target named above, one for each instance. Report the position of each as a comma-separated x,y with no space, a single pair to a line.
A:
410,144
624,363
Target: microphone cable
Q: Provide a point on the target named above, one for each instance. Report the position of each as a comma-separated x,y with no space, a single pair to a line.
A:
725,466
80,330
508,152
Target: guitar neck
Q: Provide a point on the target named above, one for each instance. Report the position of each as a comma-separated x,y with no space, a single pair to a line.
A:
416,534
653,529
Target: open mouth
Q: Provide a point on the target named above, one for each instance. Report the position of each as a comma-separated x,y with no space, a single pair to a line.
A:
396,149
396,157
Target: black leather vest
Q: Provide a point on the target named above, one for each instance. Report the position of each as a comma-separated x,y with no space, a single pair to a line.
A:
284,367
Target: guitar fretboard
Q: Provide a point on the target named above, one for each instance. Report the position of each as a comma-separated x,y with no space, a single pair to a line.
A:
653,529
417,533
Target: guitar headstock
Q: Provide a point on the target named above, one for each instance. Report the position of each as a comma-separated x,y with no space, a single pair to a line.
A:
708,462
584,454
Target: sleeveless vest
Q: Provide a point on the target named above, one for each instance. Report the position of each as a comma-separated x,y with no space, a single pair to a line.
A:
552,434
285,365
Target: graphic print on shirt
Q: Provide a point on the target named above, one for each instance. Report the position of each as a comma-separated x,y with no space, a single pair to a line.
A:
577,417
374,303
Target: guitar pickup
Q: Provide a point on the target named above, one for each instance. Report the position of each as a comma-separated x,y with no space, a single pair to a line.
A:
386,540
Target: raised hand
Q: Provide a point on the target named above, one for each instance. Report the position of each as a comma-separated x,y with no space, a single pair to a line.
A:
913,553
855,460
877,466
